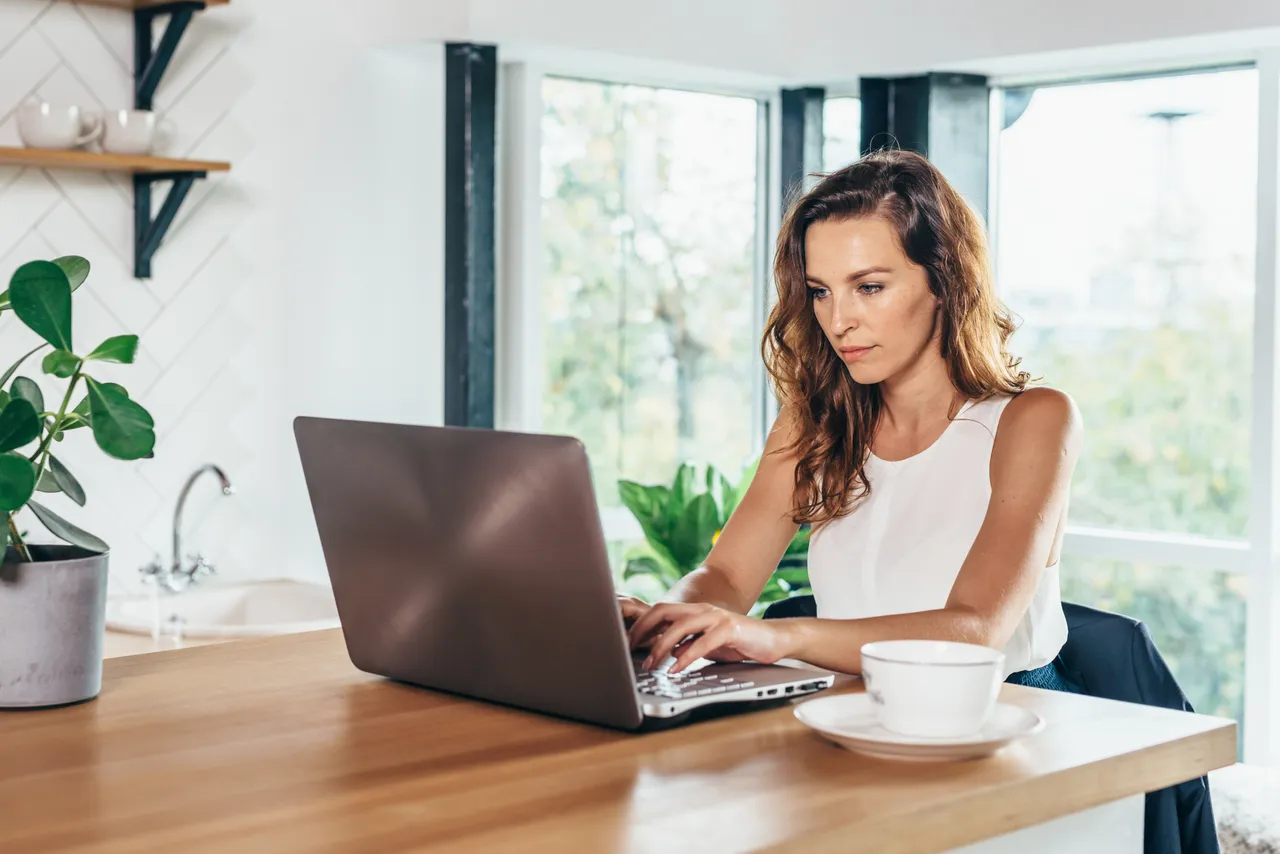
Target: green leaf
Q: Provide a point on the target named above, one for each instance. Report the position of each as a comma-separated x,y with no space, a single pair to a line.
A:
66,480
82,408
47,483
642,561
121,427
799,544
772,592
27,390
681,488
729,498
64,530
691,539
17,481
13,369
651,505
61,363
643,565
19,425
637,498
795,576
120,348
4,399
722,492
76,269
41,296
744,482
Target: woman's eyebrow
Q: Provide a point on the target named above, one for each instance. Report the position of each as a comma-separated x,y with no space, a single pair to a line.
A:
852,277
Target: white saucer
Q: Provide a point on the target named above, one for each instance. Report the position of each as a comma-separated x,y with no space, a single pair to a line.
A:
850,721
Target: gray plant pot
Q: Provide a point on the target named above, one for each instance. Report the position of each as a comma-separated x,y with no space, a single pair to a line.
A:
52,619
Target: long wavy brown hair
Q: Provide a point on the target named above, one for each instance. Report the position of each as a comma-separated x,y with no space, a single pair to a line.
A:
835,416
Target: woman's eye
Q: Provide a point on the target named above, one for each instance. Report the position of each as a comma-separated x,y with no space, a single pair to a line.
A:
870,288
819,293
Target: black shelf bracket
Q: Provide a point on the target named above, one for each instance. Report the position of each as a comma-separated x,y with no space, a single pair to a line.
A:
150,61
148,232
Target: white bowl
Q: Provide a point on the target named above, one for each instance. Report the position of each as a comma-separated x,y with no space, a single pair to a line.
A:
932,689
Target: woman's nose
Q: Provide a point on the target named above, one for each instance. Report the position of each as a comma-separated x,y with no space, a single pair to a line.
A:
844,315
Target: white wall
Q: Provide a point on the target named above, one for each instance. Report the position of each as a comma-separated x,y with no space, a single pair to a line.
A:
305,281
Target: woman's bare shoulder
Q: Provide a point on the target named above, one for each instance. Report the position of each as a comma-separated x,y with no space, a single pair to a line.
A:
1040,416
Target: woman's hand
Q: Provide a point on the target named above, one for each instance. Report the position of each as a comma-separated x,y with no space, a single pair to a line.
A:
693,631
632,608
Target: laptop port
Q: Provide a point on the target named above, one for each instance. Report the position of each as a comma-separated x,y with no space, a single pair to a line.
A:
790,688
772,691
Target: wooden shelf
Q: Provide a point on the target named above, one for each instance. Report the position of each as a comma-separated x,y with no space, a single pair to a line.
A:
93,161
141,4
150,60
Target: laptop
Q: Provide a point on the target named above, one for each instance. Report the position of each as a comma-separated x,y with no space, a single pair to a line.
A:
472,561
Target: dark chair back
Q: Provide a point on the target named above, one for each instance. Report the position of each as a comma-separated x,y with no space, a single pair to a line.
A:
795,606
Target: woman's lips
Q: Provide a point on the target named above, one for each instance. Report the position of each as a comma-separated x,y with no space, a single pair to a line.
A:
853,354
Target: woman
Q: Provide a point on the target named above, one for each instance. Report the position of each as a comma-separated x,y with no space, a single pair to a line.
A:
935,481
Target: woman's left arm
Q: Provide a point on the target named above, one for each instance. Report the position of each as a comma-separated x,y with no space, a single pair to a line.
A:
1032,461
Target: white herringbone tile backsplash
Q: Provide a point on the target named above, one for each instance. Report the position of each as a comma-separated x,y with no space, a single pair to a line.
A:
193,370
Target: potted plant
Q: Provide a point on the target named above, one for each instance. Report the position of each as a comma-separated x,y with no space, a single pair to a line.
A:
53,597
681,523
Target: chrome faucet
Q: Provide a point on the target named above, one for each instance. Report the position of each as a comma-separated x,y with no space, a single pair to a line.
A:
176,577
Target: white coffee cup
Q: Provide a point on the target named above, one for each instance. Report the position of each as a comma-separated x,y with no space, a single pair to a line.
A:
932,689
45,125
132,131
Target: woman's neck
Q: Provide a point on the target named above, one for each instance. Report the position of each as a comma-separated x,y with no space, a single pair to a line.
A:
919,397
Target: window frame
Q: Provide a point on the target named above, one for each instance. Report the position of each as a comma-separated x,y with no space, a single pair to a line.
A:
1258,555
518,352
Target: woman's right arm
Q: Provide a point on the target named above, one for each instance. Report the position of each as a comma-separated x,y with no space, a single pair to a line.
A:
755,537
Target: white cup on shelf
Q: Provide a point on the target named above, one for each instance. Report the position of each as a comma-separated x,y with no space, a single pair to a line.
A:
932,689
133,131
45,125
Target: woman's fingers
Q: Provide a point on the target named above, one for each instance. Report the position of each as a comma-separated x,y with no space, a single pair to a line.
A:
672,635
631,607
707,643
652,619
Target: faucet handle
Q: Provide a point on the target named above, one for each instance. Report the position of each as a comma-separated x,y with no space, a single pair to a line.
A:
200,567
152,570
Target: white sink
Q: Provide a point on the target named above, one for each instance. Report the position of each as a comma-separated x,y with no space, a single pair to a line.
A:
227,610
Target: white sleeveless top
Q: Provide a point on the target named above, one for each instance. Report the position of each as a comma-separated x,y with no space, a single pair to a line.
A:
901,549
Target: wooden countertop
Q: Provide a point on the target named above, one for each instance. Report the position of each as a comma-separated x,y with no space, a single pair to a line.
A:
116,644
281,745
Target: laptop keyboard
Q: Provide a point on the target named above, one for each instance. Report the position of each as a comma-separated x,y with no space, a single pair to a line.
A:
690,683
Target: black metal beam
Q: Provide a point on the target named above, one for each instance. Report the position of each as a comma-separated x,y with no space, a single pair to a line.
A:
801,144
471,84
945,117
148,233
149,63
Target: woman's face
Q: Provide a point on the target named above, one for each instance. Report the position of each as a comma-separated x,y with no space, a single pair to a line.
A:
872,301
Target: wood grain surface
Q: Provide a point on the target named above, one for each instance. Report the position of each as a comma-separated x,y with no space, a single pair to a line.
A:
281,745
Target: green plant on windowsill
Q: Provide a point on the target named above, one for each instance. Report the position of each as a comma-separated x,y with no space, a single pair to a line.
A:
40,295
681,523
